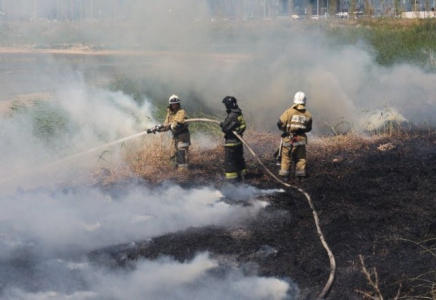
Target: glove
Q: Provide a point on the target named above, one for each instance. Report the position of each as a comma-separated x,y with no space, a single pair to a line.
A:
155,129
284,134
221,124
176,126
151,130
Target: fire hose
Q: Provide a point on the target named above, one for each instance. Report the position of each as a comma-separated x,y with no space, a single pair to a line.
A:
331,278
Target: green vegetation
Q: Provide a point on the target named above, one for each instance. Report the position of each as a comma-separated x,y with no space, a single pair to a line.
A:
392,40
49,123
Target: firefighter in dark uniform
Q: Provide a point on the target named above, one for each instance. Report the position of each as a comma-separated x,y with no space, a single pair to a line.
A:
294,123
234,164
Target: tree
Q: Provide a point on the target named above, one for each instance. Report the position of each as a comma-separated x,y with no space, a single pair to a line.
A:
368,8
352,7
397,7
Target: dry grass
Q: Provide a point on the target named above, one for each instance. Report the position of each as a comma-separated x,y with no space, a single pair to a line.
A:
148,158
372,279
151,159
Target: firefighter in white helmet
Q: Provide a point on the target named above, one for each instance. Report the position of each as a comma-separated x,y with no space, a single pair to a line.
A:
175,121
294,123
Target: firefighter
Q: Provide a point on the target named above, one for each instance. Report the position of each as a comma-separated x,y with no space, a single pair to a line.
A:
294,123
175,121
234,163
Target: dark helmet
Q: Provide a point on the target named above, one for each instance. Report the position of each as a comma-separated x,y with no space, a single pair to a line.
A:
230,102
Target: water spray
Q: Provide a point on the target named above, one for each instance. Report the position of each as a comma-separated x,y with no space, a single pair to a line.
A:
58,162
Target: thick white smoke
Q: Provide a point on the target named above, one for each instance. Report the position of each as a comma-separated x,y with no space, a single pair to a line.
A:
88,219
264,64
77,119
50,233
341,83
165,278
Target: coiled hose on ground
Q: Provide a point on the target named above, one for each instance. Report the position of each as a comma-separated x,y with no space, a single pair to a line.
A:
331,278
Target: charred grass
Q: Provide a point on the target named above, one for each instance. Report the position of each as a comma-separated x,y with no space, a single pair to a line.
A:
375,199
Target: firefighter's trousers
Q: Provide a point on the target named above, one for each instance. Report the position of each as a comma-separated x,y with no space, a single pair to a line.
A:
179,150
234,162
296,155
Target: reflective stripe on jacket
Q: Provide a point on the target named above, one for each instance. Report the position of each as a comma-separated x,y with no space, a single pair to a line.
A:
234,121
296,121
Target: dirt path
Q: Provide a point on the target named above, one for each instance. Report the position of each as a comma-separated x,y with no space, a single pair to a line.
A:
89,51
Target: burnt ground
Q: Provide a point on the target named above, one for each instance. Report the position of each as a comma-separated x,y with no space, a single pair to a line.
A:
375,198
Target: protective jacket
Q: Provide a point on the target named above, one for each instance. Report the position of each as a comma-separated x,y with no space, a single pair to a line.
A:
176,121
234,162
234,122
295,122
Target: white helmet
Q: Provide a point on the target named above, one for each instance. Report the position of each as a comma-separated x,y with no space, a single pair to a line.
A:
300,98
174,99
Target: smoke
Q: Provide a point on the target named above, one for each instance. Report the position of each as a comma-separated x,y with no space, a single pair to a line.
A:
340,84
44,237
181,50
264,64
164,278
77,118
102,116
46,233
97,219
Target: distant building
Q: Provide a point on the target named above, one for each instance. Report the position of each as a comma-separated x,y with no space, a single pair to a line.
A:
418,14
250,8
